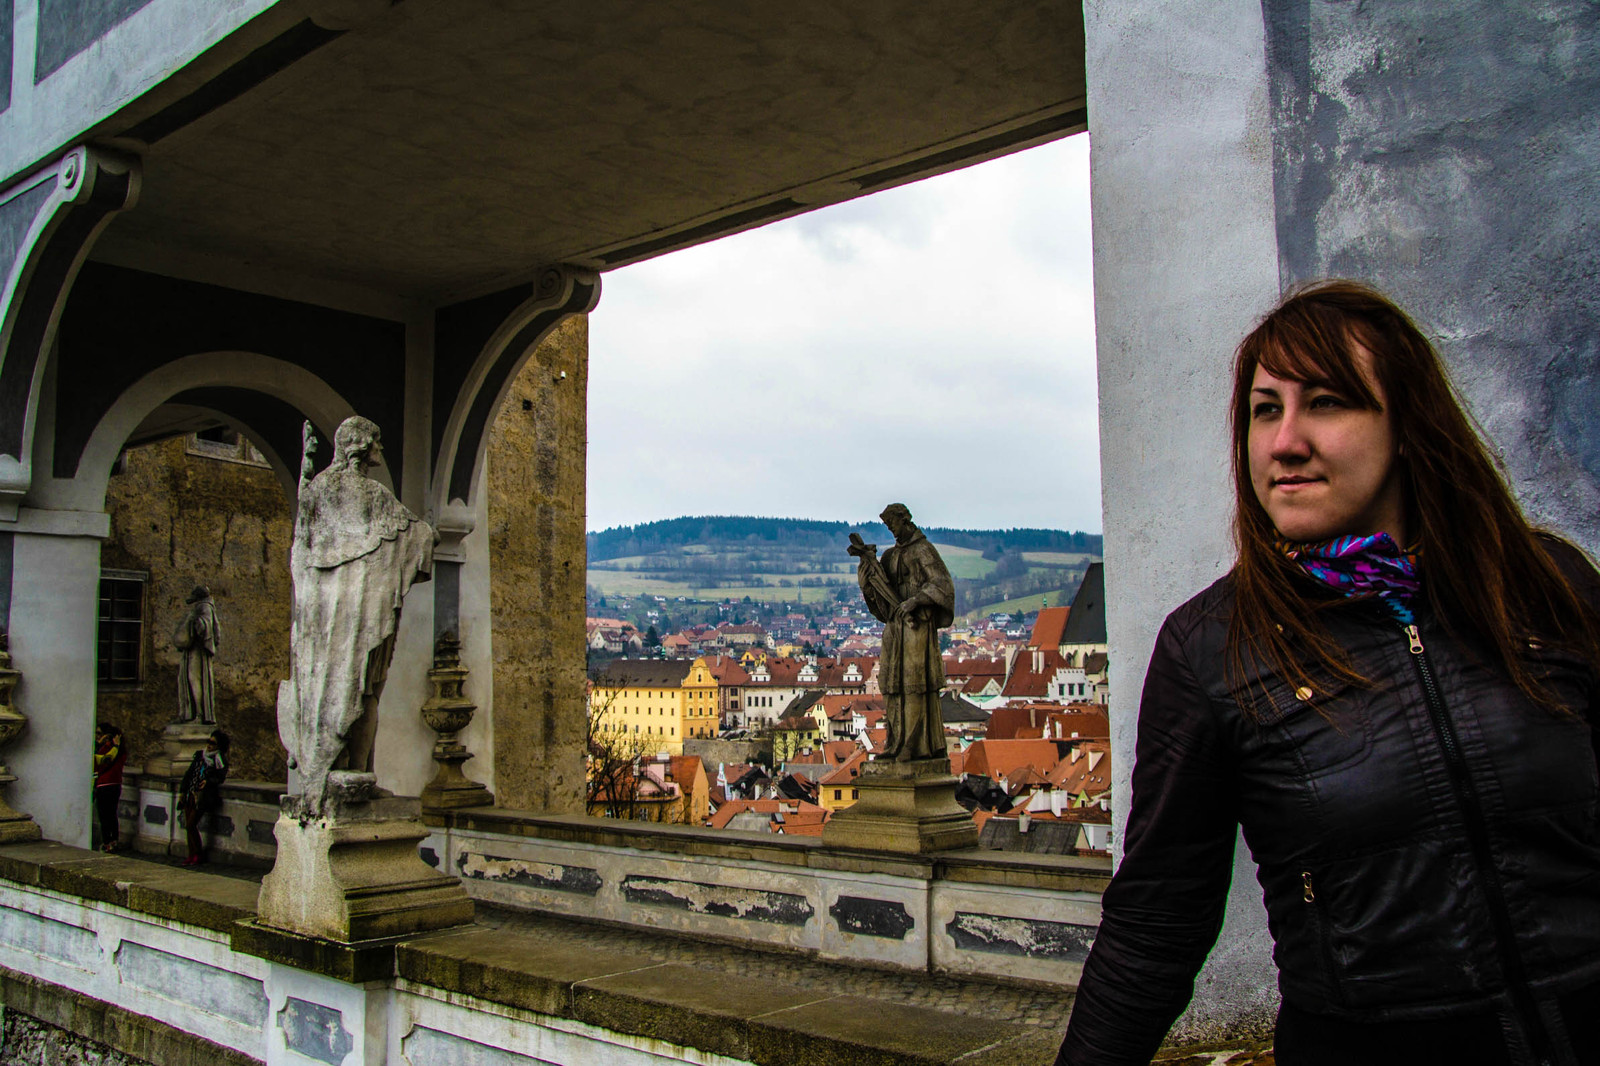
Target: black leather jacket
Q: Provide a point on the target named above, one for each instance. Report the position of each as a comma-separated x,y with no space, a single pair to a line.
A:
1427,846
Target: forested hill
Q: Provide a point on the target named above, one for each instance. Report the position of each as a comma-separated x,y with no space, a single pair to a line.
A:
801,561
739,531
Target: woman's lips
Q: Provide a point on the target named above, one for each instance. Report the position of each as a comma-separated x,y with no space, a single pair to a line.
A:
1292,484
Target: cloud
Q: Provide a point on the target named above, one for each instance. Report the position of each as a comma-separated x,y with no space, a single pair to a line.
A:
932,344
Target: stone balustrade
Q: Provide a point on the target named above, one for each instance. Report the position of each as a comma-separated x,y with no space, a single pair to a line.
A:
1004,915
168,965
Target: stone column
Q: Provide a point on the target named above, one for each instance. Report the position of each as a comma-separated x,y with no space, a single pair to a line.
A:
538,557
55,596
1185,257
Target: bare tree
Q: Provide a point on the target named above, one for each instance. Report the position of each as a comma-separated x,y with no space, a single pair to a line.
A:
613,758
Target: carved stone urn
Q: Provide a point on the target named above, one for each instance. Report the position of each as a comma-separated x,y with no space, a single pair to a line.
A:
14,825
448,712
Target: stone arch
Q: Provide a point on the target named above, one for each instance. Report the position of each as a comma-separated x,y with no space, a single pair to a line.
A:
246,372
558,293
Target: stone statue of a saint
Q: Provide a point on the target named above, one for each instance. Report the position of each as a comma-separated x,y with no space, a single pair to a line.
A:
196,637
357,550
911,593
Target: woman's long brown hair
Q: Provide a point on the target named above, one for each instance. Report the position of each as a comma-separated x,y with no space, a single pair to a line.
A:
1487,577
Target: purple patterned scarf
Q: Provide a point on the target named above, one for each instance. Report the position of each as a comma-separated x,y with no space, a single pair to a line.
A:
1362,566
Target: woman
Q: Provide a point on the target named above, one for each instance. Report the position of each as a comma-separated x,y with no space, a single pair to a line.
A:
1392,693
201,790
110,755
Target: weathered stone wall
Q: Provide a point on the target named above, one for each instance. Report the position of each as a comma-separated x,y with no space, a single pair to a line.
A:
26,1041
536,472
187,520
1449,153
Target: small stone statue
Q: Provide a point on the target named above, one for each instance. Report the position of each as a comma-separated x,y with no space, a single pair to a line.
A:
196,637
356,552
912,594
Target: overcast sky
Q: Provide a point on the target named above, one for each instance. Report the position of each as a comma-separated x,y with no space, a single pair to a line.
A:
932,344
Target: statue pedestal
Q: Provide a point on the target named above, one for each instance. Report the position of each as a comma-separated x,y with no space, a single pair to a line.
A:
179,742
15,827
450,788
354,875
906,807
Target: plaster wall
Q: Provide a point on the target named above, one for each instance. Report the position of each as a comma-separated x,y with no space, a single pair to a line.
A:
1450,154
1185,257
51,108
54,599
405,743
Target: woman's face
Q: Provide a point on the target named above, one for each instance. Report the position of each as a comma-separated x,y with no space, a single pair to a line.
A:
1321,466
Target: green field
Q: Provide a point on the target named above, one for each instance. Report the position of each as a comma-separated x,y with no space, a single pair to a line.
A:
964,562
1058,558
1053,598
616,583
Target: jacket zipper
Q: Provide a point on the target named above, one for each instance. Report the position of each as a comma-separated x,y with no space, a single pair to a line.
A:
1308,892
1478,836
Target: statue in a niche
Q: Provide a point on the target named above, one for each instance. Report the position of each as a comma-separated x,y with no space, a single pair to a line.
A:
357,550
911,593
196,637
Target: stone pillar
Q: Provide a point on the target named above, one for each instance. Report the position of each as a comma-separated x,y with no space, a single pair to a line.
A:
55,596
537,553
1185,258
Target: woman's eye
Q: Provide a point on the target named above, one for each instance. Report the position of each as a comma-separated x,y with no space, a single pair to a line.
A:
1264,410
1328,400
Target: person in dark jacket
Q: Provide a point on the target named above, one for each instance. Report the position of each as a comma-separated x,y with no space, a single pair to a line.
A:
1393,693
200,793
110,755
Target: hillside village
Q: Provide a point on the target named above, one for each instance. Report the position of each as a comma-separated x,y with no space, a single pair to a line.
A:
750,727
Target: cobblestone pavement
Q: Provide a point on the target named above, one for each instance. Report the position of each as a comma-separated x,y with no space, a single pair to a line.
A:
971,997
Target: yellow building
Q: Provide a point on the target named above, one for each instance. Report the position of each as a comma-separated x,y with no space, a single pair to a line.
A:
700,717
653,704
838,790
641,703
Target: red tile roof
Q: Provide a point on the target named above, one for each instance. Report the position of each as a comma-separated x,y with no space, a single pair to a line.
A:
1003,758
1048,627
787,807
848,771
842,705
803,823
727,670
1031,672
1010,722
1078,724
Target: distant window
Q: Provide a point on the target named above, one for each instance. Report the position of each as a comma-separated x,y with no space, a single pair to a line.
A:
838,793
121,627
226,444
855,793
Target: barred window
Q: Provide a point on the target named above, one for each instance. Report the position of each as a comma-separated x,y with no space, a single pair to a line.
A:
121,627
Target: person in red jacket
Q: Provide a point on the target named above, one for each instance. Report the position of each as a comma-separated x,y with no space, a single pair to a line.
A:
110,754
